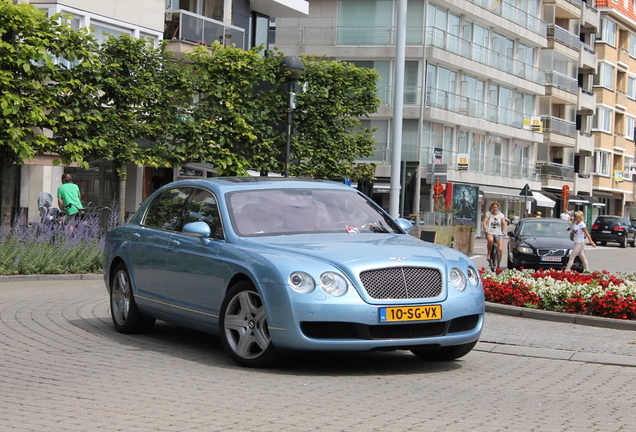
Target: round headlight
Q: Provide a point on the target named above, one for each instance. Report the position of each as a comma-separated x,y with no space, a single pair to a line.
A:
473,276
333,284
458,279
302,282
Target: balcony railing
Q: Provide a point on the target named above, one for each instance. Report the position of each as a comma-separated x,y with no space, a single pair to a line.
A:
447,101
556,171
472,51
558,125
518,16
563,82
494,166
187,26
565,37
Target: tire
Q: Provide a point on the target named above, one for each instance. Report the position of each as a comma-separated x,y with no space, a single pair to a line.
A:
444,353
495,259
126,317
634,242
510,264
244,332
602,243
623,242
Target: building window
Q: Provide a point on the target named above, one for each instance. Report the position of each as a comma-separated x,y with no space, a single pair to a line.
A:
608,32
632,43
605,76
629,170
602,163
631,86
629,127
603,120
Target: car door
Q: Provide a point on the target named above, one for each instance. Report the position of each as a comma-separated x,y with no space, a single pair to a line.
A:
193,274
147,249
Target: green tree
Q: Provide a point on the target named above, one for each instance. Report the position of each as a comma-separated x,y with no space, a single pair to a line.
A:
329,134
140,87
46,108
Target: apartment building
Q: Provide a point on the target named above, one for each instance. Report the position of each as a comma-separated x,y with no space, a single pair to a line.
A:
185,23
497,94
615,89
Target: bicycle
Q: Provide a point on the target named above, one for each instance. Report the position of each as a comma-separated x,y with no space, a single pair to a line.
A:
495,258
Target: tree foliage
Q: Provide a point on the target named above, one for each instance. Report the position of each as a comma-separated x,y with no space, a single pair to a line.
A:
131,102
46,106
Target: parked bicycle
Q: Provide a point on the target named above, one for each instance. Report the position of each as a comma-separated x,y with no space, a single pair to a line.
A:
91,217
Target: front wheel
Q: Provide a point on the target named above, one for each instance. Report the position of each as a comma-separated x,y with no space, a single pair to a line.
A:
444,353
495,259
126,317
244,332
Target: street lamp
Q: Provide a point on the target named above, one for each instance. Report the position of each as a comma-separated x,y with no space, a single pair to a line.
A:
295,69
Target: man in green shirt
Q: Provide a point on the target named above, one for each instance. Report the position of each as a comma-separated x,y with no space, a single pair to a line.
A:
68,200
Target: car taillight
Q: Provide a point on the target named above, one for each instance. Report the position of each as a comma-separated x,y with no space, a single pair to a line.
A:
619,228
595,226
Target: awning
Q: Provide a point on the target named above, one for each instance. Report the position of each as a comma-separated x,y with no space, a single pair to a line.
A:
502,193
576,199
513,194
542,200
595,202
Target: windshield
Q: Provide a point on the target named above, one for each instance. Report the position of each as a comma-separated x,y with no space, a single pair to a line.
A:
299,211
545,229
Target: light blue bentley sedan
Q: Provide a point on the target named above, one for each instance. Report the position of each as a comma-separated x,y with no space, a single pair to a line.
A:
274,265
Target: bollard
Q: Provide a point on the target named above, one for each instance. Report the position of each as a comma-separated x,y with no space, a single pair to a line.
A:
452,242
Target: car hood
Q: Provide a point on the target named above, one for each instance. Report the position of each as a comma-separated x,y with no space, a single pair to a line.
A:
548,242
358,249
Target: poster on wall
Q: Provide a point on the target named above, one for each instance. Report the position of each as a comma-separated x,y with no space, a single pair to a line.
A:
465,204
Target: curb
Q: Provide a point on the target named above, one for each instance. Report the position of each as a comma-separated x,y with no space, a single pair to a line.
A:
49,277
562,317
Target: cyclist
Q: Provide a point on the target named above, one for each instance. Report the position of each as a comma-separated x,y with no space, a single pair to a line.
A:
495,225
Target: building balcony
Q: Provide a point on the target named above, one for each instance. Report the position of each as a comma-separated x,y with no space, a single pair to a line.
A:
624,57
586,103
583,183
622,100
588,58
590,17
584,143
564,37
621,143
555,176
511,13
566,8
184,26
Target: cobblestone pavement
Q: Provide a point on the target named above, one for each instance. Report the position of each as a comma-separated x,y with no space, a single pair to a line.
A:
64,368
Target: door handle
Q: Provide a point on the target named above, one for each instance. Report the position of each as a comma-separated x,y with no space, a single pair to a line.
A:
136,236
174,243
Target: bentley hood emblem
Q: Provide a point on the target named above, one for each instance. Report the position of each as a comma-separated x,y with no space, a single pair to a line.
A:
398,259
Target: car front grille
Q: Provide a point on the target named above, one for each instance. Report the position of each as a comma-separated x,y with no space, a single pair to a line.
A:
402,283
344,330
551,252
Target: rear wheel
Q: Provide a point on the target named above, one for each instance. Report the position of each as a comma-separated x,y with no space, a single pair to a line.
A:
244,332
126,317
444,353
623,242
634,242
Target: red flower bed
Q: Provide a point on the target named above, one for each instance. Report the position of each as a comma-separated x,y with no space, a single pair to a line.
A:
610,304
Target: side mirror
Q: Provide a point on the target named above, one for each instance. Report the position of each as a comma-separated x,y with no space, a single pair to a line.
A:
404,224
198,229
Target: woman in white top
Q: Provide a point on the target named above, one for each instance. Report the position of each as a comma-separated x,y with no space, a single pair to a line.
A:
494,224
580,233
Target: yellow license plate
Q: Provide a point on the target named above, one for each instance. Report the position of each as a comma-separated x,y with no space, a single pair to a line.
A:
411,313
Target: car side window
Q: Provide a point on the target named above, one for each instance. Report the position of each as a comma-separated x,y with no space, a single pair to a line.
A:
164,212
203,208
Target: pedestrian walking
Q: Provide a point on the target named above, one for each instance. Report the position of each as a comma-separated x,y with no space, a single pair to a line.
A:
580,233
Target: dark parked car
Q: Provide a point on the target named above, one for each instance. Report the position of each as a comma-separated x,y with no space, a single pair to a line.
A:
613,229
541,243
